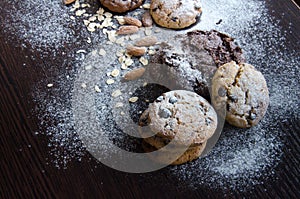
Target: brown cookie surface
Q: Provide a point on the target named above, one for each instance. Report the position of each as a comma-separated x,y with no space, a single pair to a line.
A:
121,6
175,14
163,157
160,142
243,91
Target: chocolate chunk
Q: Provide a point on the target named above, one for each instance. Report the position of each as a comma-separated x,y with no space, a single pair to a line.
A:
164,113
233,98
252,116
221,92
173,100
160,98
208,121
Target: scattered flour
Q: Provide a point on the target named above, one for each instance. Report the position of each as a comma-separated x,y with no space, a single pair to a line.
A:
241,159
40,24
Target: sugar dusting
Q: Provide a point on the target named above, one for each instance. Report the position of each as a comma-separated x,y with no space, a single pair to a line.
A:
242,158
41,24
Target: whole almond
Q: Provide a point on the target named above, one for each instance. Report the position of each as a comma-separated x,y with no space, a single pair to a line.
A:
134,74
126,30
67,2
135,50
132,21
147,19
146,41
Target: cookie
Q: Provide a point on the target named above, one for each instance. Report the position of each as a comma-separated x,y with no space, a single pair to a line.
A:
121,6
243,91
166,156
176,14
189,61
183,116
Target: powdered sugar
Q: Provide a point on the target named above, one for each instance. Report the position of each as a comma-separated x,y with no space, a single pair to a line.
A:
40,23
241,159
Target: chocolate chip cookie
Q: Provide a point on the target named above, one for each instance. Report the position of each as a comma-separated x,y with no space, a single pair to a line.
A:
176,14
182,116
243,91
121,6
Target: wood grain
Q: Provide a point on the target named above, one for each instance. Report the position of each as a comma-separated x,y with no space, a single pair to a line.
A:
24,156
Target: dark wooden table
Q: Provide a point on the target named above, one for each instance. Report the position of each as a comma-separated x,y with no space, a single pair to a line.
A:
26,171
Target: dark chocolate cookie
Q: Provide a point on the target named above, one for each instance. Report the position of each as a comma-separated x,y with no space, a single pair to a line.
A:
189,61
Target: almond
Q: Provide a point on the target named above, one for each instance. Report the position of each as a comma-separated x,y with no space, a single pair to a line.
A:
147,19
134,74
146,41
135,51
132,21
67,2
126,30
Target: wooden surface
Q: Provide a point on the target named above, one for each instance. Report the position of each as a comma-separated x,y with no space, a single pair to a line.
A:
27,173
